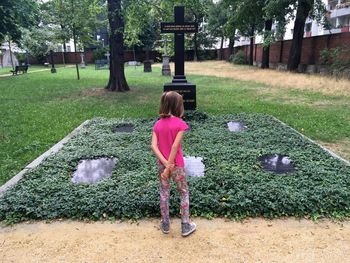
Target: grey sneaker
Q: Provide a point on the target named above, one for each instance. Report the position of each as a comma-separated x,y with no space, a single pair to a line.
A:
165,227
188,228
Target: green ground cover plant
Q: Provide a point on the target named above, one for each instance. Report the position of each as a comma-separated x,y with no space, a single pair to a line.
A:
39,109
234,184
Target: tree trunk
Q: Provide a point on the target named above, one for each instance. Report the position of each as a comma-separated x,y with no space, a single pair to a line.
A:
75,51
251,55
222,48
304,7
231,45
117,81
266,49
64,46
64,53
147,53
195,48
11,58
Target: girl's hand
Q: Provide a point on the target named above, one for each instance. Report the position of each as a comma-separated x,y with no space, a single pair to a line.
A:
169,168
165,174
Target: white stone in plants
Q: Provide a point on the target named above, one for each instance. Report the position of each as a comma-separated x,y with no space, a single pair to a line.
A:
93,171
194,166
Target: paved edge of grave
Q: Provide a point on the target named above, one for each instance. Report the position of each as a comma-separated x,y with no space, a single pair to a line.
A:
310,140
37,161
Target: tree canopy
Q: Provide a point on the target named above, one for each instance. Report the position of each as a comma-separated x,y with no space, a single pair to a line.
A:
15,15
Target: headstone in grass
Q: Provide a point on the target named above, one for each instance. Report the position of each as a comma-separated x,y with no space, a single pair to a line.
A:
194,166
108,57
236,126
82,62
93,171
123,127
277,163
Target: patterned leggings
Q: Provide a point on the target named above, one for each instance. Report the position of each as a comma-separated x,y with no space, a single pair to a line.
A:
179,179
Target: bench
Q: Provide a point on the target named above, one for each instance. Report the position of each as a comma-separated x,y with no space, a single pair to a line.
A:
101,63
22,69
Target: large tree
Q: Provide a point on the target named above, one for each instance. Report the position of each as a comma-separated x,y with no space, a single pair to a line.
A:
15,15
141,26
117,81
249,18
38,41
304,8
217,21
300,10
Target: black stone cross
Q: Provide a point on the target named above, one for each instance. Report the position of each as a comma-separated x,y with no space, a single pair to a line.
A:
179,83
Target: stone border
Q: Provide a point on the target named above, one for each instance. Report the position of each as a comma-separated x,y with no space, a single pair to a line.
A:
307,138
37,161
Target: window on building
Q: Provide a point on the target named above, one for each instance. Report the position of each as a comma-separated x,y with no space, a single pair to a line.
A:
68,48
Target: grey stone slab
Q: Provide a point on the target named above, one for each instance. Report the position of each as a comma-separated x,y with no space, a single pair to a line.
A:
93,171
123,128
236,126
277,163
194,166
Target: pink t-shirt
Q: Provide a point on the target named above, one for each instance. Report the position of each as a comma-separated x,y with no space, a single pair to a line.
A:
166,130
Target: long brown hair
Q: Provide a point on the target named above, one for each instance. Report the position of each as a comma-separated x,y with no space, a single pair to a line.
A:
171,103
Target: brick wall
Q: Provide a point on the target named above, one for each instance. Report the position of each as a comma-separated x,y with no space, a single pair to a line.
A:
279,51
312,46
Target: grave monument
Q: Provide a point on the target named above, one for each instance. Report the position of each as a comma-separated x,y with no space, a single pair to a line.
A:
166,71
179,82
82,62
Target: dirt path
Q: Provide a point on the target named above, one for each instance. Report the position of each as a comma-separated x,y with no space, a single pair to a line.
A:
254,240
34,71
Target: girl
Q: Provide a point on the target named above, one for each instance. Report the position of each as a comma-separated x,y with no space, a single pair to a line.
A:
167,136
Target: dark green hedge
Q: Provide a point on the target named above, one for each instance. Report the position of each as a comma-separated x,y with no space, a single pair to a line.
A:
234,184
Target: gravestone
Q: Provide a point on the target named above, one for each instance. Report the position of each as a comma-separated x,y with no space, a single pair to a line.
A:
194,166
124,127
147,66
277,163
236,126
82,62
108,57
133,63
179,82
93,171
166,71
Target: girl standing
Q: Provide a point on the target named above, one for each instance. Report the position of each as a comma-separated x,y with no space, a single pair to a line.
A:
167,136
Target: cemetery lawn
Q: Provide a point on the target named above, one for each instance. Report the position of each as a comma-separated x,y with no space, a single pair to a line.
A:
38,110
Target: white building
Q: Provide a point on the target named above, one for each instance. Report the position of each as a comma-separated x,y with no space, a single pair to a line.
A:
338,13
7,57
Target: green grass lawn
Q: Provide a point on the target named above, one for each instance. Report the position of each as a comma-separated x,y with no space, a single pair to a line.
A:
39,109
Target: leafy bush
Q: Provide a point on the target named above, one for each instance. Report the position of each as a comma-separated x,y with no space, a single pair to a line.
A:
239,58
334,58
21,57
99,53
230,58
234,184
